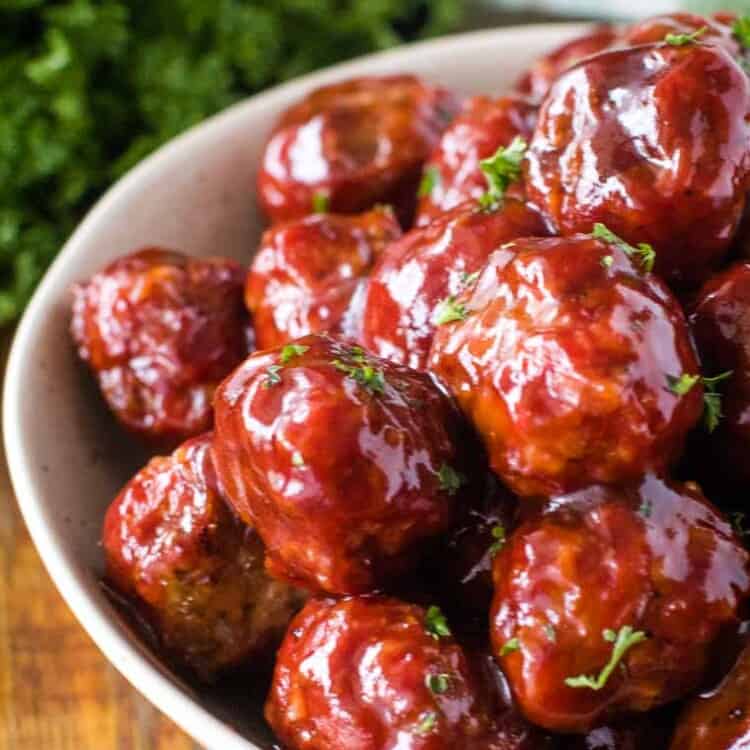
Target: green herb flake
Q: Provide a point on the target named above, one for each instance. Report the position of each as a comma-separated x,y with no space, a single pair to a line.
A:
550,632
607,261
645,508
622,640
499,535
741,31
290,351
643,252
297,459
272,376
427,722
430,180
501,170
450,480
450,311
435,623
363,373
320,203
510,646
712,413
682,384
680,40
438,683
467,279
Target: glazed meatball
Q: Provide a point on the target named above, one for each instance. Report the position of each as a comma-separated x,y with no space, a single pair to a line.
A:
720,321
160,331
345,463
196,572
353,144
307,272
537,81
567,356
416,275
707,30
611,599
654,142
720,719
453,173
379,674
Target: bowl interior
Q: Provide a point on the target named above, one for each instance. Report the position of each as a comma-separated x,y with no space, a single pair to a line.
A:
67,457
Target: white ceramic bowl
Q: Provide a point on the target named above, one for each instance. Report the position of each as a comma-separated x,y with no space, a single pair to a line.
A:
67,457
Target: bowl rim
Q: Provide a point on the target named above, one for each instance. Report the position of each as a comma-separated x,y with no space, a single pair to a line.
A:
196,720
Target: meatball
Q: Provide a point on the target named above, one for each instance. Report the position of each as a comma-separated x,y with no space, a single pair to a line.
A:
720,321
654,142
707,30
537,81
174,547
345,463
353,144
453,173
417,274
160,331
568,358
378,674
720,719
307,272
611,599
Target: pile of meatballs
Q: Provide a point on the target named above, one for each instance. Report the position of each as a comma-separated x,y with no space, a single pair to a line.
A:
436,467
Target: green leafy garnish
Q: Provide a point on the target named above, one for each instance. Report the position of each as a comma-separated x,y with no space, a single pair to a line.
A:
361,371
645,508
711,396
290,351
427,722
467,279
450,311
680,40
272,376
438,683
297,459
430,180
498,534
623,641
741,31
501,170
643,251
450,480
607,261
550,632
436,624
510,646
320,203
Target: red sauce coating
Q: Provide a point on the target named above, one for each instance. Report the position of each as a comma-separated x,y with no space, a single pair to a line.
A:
537,81
160,331
654,142
453,170
562,365
720,321
358,142
655,29
427,265
174,547
307,271
354,674
656,557
718,719
344,479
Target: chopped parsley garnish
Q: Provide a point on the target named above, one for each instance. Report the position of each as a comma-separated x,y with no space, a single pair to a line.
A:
361,372
623,640
607,261
435,623
500,170
320,203
450,480
450,311
297,459
550,632
643,251
430,180
427,722
645,508
741,31
290,351
272,376
498,534
467,279
711,396
680,40
438,683
510,646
